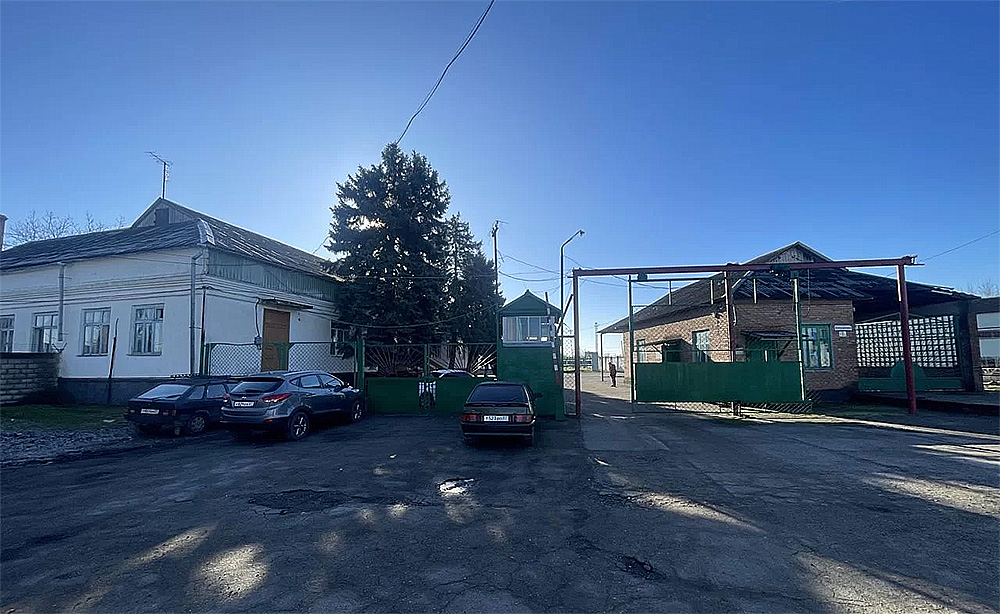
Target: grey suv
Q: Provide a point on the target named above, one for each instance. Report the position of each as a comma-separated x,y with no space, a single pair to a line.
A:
288,402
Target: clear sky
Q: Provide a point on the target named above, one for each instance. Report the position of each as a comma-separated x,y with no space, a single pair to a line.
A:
672,132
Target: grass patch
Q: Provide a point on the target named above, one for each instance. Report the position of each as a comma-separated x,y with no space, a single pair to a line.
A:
81,417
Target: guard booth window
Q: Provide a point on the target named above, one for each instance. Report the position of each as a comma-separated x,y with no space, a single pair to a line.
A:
526,330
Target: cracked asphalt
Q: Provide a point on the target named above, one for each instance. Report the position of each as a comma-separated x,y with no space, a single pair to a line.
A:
677,511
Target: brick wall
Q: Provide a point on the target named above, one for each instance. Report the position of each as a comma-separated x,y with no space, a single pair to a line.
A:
767,316
780,315
716,323
27,377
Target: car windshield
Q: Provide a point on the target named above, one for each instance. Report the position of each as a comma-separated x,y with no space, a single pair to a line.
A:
165,391
256,385
498,393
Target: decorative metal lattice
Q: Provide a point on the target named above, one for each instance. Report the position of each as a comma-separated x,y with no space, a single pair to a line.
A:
932,340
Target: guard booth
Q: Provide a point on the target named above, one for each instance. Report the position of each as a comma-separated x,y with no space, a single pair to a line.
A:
527,351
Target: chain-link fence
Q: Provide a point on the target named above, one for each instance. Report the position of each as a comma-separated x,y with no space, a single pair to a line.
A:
248,358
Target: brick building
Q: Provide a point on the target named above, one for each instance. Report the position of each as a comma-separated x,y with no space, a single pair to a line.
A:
837,308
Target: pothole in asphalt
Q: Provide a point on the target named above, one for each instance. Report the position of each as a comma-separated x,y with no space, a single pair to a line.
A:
300,500
637,567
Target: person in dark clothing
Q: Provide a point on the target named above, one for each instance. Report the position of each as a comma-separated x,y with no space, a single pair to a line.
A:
613,372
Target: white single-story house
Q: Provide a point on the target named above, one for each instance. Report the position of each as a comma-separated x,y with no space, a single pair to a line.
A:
128,307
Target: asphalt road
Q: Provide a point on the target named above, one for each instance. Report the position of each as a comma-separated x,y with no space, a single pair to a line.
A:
676,512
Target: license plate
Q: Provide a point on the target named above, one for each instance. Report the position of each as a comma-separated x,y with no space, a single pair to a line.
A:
496,419
243,403
147,410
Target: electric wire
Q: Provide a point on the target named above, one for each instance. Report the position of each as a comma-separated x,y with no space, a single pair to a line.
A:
948,251
445,71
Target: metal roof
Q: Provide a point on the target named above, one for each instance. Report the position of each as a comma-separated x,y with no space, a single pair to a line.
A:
195,229
872,294
118,242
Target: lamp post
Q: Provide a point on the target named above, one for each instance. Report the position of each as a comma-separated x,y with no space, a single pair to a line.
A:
562,279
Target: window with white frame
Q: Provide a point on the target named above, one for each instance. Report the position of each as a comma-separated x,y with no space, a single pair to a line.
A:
96,330
338,338
147,330
44,332
6,333
527,330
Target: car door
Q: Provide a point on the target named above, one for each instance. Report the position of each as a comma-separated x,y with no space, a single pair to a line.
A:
316,395
335,389
214,398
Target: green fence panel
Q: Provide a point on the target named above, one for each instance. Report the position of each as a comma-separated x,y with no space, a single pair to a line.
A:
393,395
416,395
723,382
451,392
533,366
896,382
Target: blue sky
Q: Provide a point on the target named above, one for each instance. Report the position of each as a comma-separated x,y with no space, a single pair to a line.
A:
672,132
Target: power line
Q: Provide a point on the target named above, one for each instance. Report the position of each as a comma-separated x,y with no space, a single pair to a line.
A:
397,326
948,251
445,71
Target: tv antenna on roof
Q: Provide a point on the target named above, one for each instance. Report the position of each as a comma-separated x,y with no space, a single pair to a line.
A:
166,171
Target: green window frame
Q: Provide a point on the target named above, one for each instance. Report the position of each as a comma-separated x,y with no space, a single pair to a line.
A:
701,344
817,347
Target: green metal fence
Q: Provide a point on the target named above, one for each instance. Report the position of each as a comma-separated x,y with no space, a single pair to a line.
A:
417,395
720,382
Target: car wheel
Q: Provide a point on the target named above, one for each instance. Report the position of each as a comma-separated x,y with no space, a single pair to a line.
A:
197,424
357,411
298,425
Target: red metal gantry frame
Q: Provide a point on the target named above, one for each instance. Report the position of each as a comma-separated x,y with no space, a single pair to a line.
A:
725,269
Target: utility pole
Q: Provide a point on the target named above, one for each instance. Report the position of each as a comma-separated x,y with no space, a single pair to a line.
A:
496,273
166,172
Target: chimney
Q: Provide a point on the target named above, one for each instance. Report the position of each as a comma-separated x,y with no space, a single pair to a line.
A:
3,224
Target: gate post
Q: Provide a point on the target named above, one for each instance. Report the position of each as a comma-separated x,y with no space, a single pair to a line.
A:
798,333
904,324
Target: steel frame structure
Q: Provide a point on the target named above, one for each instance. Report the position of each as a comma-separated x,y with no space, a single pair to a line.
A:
726,269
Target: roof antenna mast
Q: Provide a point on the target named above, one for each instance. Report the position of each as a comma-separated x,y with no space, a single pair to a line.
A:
166,172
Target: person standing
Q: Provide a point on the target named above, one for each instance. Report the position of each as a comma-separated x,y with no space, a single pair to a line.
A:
613,372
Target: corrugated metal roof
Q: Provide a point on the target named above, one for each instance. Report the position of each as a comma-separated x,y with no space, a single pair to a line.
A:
118,242
246,242
871,292
196,229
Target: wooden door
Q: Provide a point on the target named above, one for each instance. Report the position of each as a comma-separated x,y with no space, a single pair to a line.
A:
274,352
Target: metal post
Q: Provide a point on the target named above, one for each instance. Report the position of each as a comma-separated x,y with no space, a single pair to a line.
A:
798,334
904,324
192,355
730,313
631,347
600,354
62,297
576,343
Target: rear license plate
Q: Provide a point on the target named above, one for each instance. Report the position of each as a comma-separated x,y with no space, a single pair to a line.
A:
496,419
243,403
147,410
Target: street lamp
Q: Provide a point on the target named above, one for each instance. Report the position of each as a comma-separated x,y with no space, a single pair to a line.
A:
562,279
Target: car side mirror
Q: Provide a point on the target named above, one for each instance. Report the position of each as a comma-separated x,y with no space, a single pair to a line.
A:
337,387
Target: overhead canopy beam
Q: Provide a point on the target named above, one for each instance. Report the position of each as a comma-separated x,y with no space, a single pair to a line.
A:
720,268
